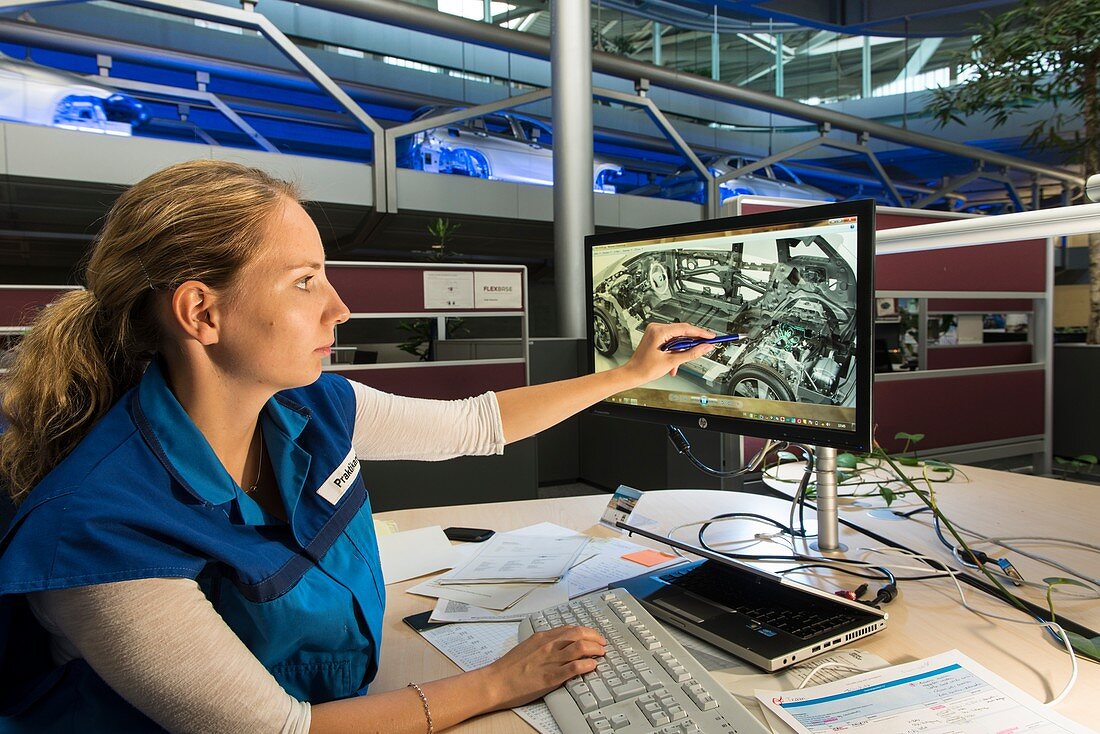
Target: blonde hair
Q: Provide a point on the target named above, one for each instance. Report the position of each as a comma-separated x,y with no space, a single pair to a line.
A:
201,220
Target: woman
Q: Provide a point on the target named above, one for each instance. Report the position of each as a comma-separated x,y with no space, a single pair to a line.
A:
193,548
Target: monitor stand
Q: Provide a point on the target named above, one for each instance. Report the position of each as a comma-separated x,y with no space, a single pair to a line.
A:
828,525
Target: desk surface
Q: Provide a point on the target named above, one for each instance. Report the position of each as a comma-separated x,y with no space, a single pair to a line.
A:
926,618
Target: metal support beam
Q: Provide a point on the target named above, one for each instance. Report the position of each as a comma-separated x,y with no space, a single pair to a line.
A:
712,202
861,147
657,30
255,21
775,158
192,94
920,56
949,186
571,76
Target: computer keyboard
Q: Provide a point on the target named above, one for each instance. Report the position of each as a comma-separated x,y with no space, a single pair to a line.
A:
646,682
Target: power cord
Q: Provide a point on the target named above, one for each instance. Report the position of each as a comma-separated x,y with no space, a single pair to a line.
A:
683,446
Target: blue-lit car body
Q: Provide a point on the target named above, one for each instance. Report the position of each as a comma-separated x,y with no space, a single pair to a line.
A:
44,96
502,146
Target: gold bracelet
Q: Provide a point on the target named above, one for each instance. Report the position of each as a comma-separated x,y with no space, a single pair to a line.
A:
427,709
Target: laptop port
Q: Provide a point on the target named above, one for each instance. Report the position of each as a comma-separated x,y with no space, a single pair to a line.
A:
816,648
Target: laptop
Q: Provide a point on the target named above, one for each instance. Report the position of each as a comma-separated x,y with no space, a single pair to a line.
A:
763,618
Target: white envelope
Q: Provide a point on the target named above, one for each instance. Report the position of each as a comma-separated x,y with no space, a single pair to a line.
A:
413,553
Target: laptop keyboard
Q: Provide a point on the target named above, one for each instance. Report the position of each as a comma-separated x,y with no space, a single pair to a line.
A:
795,615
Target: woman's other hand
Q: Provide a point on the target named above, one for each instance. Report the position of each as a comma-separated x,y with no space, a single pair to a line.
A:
649,362
543,662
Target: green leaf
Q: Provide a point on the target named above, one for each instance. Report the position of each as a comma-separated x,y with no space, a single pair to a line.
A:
887,494
786,456
908,461
916,437
1087,458
1059,581
843,476
1085,646
902,436
846,461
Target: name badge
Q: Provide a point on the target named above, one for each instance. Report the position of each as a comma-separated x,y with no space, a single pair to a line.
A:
341,479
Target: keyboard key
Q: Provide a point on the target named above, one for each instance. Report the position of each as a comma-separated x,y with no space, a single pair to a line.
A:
627,690
650,680
619,721
602,693
586,702
599,724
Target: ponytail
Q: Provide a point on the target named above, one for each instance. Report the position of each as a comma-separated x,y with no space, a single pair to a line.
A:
199,220
57,386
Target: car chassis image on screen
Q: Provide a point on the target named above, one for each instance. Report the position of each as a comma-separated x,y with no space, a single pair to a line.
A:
788,291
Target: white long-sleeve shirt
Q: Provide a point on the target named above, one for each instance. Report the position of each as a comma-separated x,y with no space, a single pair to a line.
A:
161,645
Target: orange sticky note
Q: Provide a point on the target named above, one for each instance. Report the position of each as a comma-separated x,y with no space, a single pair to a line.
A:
649,557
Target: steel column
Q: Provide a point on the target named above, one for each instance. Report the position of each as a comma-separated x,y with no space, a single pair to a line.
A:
571,77
779,65
865,68
657,29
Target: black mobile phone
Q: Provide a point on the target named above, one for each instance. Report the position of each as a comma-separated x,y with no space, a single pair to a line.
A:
468,535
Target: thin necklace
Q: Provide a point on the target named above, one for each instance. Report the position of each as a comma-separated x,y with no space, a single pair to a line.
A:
259,465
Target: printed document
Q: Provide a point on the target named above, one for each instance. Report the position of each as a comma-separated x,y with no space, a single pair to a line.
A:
473,646
507,558
945,694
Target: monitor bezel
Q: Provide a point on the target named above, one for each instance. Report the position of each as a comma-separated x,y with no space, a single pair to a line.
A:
860,439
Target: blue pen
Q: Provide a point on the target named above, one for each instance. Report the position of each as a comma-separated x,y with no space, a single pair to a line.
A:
684,343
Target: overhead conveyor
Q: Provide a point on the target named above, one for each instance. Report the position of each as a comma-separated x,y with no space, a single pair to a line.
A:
1002,169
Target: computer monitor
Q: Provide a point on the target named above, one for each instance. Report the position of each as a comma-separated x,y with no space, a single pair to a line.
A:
796,285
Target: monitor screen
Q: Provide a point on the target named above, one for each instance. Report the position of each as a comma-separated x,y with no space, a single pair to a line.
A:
795,286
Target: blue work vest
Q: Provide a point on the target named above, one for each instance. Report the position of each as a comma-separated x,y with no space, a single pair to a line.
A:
144,496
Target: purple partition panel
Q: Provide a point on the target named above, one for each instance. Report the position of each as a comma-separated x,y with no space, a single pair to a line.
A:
959,410
367,289
984,305
1005,266
19,306
984,355
445,382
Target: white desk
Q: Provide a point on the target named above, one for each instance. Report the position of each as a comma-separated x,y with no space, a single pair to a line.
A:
926,618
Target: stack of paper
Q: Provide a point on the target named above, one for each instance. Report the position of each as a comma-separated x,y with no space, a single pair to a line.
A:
485,589
508,558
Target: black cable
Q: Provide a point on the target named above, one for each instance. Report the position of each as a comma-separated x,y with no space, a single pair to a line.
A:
982,585
886,594
877,577
748,515
683,447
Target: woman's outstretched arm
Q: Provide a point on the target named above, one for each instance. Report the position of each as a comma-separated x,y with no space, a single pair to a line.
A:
527,410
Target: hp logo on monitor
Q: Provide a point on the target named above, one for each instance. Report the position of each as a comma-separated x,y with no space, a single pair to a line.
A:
702,422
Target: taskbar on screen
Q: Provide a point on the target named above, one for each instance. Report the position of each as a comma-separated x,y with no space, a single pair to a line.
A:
727,406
